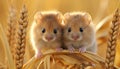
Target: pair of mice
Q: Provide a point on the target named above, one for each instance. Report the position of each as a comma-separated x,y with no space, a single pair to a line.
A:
73,30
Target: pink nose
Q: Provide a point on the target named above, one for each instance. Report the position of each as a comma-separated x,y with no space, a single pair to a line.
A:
75,36
49,38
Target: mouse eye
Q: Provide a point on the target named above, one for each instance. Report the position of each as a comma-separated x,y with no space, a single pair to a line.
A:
81,29
43,30
69,29
55,31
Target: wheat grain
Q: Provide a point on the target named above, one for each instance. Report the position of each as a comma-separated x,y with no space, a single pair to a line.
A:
11,29
110,55
21,38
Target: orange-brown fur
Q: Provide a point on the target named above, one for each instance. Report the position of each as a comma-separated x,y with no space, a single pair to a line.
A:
77,20
49,21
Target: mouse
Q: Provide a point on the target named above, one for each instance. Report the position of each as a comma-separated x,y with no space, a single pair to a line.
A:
46,31
79,32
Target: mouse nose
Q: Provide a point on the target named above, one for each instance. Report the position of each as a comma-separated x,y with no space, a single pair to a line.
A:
49,37
75,36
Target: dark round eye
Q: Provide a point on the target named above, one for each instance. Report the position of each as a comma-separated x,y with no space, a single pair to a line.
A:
69,29
43,30
55,31
81,30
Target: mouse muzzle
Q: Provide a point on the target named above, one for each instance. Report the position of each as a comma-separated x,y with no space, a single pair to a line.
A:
75,36
49,38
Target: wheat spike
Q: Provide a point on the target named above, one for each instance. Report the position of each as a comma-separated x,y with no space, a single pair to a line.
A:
65,60
11,28
21,38
110,55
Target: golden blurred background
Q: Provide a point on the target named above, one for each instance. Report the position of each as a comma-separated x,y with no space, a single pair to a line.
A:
97,8
100,11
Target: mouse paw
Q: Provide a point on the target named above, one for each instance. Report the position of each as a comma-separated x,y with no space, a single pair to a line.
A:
71,49
59,49
82,49
92,64
38,55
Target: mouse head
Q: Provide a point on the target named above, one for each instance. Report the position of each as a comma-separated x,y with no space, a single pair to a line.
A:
75,25
48,25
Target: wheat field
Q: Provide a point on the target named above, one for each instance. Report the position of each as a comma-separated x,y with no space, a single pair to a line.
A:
16,51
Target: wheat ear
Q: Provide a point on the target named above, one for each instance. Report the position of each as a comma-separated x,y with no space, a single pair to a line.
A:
21,38
11,28
110,55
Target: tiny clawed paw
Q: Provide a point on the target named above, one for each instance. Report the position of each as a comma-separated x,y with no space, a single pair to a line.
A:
71,50
82,50
38,55
59,49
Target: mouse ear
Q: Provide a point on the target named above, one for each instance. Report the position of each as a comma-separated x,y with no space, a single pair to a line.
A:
59,17
87,18
38,17
66,15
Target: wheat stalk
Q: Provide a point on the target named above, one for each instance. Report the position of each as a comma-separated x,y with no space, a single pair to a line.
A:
76,57
21,38
110,56
6,46
11,28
